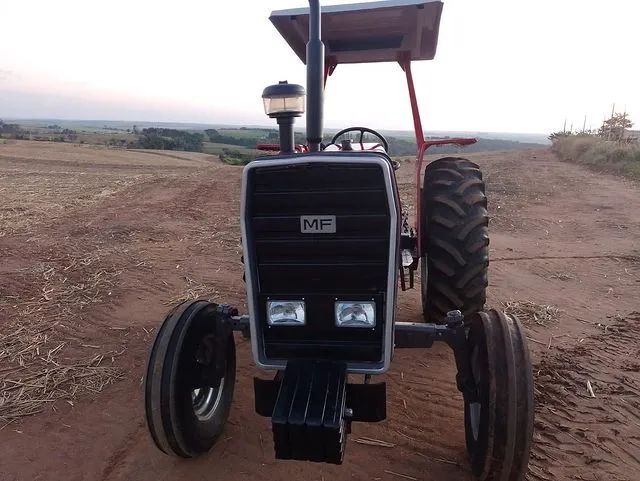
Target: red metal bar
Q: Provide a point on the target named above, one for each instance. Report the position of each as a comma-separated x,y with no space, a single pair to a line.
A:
276,148
329,66
423,145
417,122
419,162
419,159
268,147
405,63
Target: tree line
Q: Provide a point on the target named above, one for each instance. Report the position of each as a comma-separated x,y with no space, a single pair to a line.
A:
168,139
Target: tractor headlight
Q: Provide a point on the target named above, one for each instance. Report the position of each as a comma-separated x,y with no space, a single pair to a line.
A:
285,313
355,314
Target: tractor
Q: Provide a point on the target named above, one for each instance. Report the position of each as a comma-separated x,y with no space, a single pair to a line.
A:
326,247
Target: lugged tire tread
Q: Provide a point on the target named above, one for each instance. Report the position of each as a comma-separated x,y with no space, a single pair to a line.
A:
501,452
455,238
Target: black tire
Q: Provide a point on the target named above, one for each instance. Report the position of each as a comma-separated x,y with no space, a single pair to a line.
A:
454,239
186,416
499,423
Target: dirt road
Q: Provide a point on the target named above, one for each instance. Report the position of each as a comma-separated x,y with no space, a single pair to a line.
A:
135,232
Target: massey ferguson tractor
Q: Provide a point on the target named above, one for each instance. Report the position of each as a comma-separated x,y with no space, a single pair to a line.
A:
326,246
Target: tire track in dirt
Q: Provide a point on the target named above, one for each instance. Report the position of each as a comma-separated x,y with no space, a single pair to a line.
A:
589,434
115,461
541,258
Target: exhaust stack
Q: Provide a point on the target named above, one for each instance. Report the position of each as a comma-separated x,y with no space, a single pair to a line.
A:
315,78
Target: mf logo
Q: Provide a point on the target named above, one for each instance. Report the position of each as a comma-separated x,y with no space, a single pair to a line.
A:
318,224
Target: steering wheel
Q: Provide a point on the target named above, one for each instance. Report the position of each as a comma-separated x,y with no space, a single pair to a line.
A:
362,130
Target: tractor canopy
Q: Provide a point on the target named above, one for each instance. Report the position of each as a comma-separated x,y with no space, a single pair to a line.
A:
385,31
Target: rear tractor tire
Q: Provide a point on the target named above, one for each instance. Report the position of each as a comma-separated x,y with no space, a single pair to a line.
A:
454,239
499,420
190,380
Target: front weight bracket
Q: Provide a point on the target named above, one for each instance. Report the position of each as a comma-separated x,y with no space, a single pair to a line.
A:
454,333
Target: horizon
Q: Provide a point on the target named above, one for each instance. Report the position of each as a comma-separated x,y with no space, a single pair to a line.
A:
258,125
505,79
523,137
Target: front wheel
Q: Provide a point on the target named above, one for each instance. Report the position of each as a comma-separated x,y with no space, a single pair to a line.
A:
499,418
190,380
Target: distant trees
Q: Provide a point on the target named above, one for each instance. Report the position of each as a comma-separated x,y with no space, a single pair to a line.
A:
53,133
246,141
116,142
169,139
235,157
10,129
70,135
615,127
212,134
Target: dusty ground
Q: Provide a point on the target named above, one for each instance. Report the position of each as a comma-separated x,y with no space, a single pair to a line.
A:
96,243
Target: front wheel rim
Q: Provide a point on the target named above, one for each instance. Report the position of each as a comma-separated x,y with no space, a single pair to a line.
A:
206,401
424,276
475,408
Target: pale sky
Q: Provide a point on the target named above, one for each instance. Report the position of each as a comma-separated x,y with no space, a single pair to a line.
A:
501,65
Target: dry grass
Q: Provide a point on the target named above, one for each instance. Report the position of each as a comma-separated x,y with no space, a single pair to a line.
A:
41,182
193,290
608,156
529,312
91,155
562,276
35,378
35,369
32,199
375,442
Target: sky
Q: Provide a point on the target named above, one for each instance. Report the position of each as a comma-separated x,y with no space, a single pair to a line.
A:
501,65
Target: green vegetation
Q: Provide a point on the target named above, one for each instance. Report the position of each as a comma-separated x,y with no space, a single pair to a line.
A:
249,133
52,133
244,140
215,148
601,154
234,145
609,149
10,130
168,139
247,137
231,154
235,157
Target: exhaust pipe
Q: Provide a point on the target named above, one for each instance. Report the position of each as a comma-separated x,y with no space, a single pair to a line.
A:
315,78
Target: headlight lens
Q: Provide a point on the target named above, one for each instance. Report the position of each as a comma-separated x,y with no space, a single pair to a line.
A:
355,314
285,313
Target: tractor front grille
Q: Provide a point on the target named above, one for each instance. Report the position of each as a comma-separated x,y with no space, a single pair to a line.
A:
352,263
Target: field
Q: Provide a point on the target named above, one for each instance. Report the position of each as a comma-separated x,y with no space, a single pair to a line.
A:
215,148
97,243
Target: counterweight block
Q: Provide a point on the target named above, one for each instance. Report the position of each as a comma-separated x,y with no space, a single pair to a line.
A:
309,419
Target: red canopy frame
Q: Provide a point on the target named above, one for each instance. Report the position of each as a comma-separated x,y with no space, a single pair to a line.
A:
422,143
383,31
